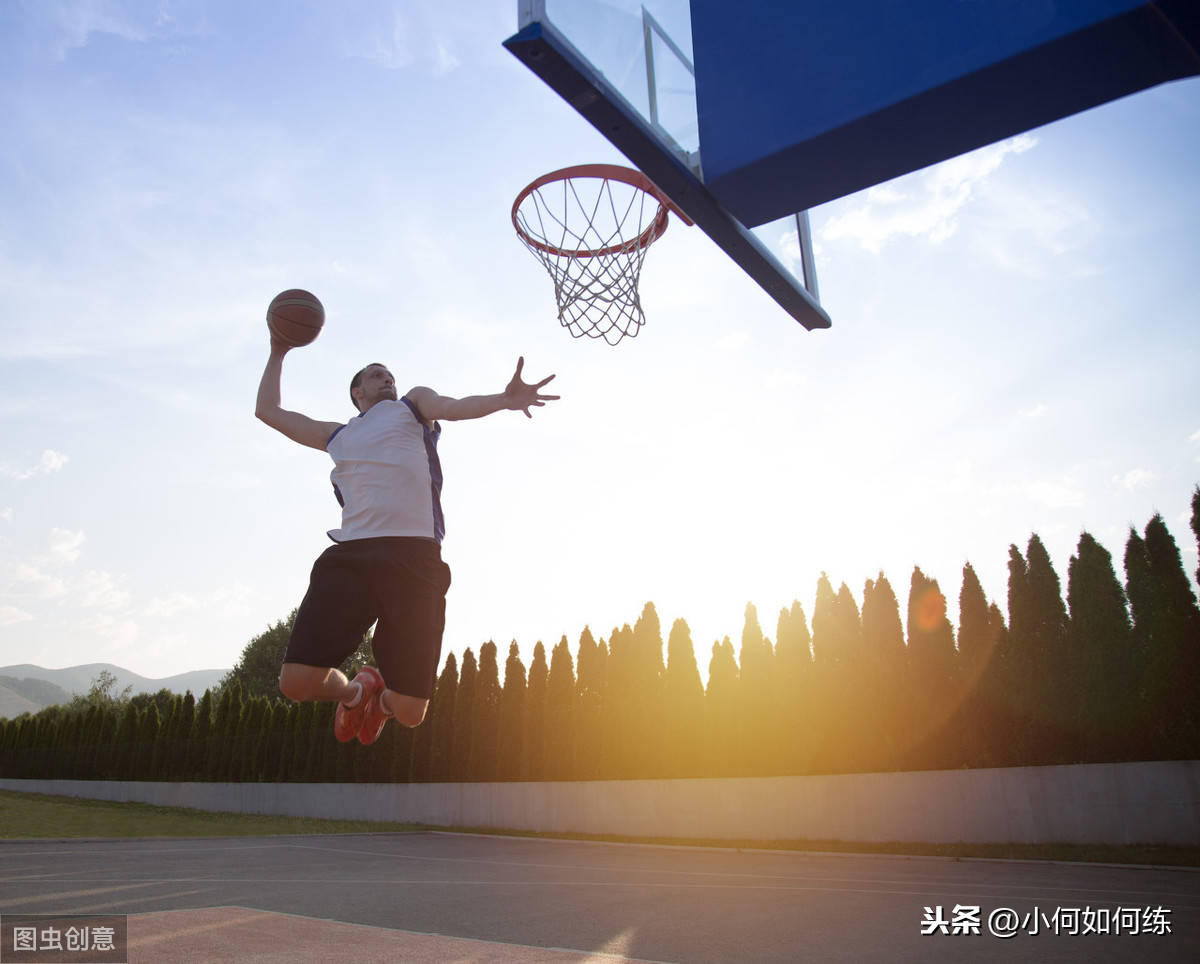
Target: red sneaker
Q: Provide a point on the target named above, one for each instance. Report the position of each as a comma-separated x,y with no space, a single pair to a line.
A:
347,721
373,719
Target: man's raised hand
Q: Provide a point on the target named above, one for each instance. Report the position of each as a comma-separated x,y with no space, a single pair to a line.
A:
521,396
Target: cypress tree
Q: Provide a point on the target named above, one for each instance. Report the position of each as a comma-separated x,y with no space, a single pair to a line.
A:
848,707
224,720
930,675
1196,523
126,743
304,753
280,761
589,708
829,656
1099,636
720,709
398,766
794,685
683,702
757,745
559,729
174,741
253,738
88,746
882,675
464,702
1167,626
1055,688
65,737
645,736
197,763
621,731
485,717
1022,661
510,760
433,741
982,720
327,761
148,729
535,714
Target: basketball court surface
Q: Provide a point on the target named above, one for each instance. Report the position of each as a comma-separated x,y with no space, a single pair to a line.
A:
451,897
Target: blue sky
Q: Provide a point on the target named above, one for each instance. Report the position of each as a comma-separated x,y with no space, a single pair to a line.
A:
1014,349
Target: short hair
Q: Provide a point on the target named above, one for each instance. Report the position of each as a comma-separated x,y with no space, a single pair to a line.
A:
356,381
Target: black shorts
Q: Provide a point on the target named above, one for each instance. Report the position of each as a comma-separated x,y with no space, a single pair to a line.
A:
399,582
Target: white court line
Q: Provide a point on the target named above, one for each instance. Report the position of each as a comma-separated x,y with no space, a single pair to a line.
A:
726,874
324,882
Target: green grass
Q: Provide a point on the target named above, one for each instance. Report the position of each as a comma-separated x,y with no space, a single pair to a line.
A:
34,816
31,815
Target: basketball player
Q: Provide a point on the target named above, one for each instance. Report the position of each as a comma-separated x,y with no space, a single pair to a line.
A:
385,565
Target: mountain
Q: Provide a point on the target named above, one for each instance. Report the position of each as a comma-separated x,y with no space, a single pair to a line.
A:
15,697
25,683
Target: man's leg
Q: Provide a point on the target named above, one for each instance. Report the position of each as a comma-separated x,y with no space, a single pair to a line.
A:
334,615
410,583
406,710
307,683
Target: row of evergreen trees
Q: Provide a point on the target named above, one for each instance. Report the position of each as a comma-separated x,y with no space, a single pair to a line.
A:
1109,673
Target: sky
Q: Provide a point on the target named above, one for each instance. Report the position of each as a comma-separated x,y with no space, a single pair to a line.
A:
1014,345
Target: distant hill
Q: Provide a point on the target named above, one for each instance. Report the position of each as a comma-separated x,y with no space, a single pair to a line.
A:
25,687
14,701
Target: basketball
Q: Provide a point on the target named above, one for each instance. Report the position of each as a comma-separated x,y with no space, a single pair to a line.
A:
295,317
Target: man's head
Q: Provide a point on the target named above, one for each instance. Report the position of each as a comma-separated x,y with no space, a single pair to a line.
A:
370,385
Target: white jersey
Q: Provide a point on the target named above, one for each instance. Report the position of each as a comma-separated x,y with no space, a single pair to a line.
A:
386,474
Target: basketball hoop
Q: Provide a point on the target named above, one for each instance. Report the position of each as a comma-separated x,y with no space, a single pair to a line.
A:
590,226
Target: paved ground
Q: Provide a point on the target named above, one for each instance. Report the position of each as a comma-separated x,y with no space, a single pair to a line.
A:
444,897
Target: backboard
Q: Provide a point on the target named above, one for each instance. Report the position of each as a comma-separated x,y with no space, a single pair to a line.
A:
744,112
627,67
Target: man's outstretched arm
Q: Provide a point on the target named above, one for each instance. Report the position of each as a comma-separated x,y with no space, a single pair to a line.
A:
297,427
518,396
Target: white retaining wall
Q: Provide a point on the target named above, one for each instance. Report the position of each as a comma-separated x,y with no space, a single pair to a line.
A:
1126,803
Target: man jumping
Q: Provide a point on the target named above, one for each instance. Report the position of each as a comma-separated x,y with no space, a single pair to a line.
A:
385,566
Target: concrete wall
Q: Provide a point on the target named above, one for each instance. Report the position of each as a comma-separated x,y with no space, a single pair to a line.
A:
1148,803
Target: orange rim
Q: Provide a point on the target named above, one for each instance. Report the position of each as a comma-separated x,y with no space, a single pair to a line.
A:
605,172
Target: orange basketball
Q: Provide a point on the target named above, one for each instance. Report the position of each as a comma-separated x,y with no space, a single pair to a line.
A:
295,317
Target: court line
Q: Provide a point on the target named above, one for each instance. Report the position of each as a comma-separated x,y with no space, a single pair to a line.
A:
327,883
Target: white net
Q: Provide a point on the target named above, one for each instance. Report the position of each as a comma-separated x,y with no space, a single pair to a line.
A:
591,232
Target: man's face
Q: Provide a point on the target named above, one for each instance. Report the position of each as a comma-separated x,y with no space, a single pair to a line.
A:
377,384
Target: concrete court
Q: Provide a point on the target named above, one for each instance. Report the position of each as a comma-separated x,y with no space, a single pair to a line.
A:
450,897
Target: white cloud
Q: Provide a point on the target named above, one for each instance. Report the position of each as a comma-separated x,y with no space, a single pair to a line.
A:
27,580
733,342
64,544
1135,479
1056,495
6,514
11,615
73,23
50,461
121,632
234,600
922,205
1037,411
173,605
445,60
99,590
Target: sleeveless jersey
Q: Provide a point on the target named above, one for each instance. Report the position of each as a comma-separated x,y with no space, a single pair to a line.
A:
386,474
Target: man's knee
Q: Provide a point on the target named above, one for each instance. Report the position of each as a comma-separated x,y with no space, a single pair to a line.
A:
299,682
408,710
